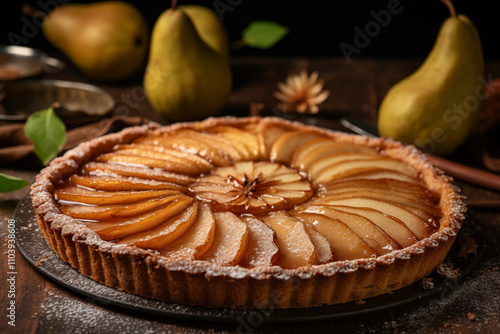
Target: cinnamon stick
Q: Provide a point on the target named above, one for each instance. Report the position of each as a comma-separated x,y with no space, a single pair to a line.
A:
465,173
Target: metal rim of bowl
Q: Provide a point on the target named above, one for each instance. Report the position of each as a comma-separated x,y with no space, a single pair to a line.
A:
59,84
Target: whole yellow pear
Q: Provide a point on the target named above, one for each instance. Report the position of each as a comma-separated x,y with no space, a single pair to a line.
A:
185,79
107,40
438,106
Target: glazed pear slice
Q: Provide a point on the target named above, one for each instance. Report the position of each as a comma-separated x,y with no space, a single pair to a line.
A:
85,196
296,247
384,183
214,139
247,143
231,240
120,228
391,225
153,160
309,155
298,159
194,145
166,233
420,206
416,224
373,173
197,240
193,164
268,134
373,235
393,186
322,249
315,168
341,168
117,183
114,211
111,169
262,248
286,145
345,244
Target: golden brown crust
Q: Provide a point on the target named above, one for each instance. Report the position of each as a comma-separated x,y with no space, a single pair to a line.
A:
148,274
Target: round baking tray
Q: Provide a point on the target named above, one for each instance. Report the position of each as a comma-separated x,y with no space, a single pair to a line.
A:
32,246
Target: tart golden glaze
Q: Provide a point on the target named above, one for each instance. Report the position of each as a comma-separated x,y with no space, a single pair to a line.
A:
247,213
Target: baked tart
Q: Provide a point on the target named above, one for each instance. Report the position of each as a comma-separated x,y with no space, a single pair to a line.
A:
247,213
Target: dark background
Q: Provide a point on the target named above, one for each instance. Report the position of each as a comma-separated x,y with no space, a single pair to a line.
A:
316,27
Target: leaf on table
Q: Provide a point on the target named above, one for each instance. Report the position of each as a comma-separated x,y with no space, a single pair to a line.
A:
263,34
47,132
10,183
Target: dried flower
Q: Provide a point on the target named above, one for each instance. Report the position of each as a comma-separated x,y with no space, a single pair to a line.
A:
301,93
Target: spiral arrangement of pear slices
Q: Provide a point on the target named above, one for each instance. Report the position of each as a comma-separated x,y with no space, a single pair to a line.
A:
251,195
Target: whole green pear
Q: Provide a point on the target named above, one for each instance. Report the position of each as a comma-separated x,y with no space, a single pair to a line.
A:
107,40
438,106
209,27
185,79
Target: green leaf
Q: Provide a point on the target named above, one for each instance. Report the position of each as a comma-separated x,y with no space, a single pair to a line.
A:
264,34
47,132
10,183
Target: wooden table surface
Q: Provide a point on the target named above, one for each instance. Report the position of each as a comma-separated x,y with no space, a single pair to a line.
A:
43,306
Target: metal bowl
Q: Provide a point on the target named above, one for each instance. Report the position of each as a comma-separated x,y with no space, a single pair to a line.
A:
72,101
18,62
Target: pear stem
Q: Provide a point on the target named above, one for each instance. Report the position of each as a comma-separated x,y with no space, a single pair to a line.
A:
238,44
173,4
29,11
450,6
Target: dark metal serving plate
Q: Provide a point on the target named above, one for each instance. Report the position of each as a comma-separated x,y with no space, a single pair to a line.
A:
32,245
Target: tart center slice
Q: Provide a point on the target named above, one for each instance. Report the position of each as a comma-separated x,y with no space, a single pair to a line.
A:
252,187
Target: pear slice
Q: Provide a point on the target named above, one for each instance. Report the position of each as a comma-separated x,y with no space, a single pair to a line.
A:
416,224
322,249
197,240
231,240
155,159
268,133
120,228
374,236
296,247
166,233
286,145
319,149
193,163
262,248
316,167
374,173
205,149
247,143
337,170
419,205
402,188
345,244
303,151
215,140
85,196
114,211
112,169
117,183
391,225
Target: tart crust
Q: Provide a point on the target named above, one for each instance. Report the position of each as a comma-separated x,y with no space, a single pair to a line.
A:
195,282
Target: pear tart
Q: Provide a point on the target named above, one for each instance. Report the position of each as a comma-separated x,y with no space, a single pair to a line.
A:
247,212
